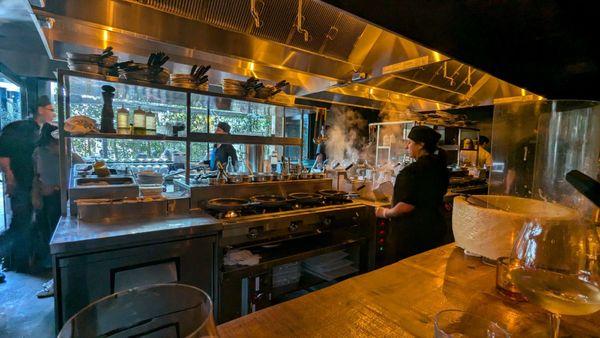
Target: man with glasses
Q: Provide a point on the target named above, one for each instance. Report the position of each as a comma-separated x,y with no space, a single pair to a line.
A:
17,143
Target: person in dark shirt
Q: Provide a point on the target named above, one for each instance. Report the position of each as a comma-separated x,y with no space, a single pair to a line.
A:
17,143
222,152
417,223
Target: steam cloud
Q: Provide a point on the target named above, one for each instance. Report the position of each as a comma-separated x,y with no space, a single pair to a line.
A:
344,140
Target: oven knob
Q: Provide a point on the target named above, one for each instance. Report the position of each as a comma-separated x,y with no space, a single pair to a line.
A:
356,219
294,226
252,233
327,221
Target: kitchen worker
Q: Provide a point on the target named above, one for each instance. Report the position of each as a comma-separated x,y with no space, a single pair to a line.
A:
222,152
417,223
480,158
320,141
17,143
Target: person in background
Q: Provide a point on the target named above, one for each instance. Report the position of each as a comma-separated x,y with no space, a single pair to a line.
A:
417,223
481,157
222,152
520,164
17,143
320,141
46,194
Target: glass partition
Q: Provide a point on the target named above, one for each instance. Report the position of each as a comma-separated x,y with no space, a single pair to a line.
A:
535,144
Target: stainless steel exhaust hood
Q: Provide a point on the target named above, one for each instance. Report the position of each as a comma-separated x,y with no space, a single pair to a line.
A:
318,54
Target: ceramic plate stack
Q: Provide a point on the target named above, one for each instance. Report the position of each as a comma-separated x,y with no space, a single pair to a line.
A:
233,87
185,81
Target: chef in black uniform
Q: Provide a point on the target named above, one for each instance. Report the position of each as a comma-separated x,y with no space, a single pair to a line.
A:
222,152
417,223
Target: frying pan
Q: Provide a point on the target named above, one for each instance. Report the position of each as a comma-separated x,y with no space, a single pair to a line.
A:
333,194
227,204
269,201
305,197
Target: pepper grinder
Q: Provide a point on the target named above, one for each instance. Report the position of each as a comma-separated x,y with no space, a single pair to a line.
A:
107,123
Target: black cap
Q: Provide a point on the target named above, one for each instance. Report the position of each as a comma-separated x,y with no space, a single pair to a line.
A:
43,101
425,135
224,126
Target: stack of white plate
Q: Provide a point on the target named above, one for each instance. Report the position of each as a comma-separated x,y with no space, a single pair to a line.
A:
151,190
149,177
233,87
186,81
329,266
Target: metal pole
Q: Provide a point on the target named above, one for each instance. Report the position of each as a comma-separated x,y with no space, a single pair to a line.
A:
61,142
188,146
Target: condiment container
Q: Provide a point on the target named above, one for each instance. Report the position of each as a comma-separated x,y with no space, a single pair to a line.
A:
123,120
139,122
150,123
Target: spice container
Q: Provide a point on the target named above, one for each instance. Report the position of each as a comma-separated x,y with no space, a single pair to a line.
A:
139,122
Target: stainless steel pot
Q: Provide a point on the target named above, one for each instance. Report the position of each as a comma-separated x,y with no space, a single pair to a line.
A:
216,180
259,177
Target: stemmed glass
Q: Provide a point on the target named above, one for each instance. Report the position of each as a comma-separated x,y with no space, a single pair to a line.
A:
558,267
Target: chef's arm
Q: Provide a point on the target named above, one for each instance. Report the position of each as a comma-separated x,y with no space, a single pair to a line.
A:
397,210
8,174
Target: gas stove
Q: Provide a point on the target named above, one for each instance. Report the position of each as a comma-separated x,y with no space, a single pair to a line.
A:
262,210
255,226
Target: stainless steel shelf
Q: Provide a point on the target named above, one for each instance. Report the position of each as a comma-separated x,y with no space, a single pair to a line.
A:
114,79
128,137
244,139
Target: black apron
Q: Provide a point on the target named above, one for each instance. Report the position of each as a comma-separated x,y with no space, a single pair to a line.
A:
422,184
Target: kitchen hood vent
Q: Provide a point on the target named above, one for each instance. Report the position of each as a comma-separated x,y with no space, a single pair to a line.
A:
331,32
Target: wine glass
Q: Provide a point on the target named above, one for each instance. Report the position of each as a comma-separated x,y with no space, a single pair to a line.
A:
558,267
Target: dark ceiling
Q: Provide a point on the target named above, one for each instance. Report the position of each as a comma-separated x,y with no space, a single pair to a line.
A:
546,46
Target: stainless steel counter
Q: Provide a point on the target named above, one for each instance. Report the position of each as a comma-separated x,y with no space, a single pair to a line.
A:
72,235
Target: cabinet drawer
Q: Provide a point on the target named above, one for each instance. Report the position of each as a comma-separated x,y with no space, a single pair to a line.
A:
85,278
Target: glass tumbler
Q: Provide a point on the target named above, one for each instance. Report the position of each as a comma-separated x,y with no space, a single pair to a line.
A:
504,283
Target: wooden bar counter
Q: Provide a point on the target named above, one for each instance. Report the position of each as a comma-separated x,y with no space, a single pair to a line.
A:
400,300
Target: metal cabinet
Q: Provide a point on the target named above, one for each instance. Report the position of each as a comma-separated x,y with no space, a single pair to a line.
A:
82,279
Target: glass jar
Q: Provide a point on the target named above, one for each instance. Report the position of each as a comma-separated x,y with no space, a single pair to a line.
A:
150,123
139,122
123,120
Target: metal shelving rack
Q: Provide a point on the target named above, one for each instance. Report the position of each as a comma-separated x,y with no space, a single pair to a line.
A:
384,150
64,112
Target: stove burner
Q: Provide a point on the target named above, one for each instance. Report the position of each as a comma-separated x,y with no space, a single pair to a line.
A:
259,209
231,214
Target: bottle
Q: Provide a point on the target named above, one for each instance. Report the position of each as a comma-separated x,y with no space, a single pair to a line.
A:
150,123
139,122
229,168
274,161
122,120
